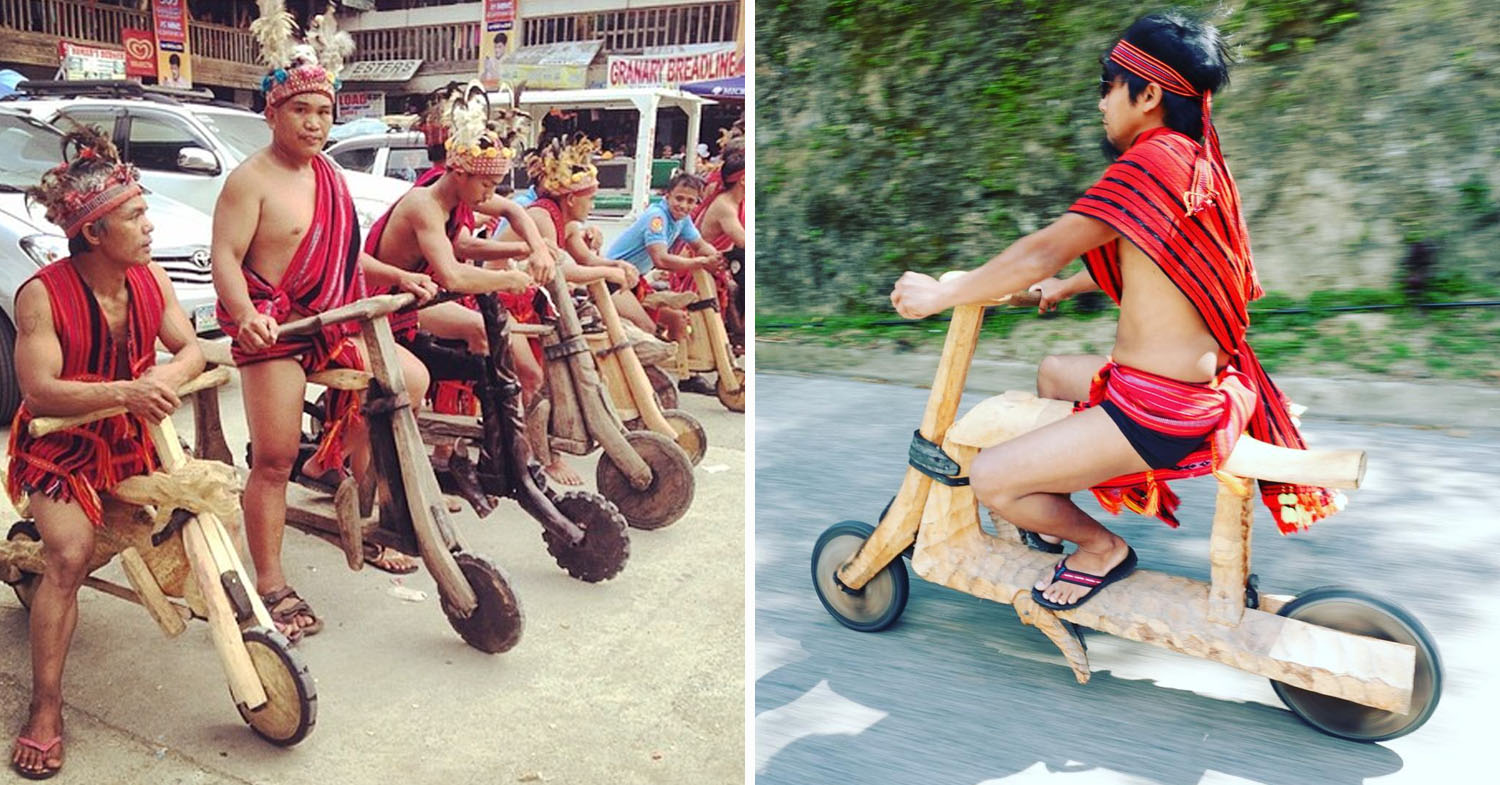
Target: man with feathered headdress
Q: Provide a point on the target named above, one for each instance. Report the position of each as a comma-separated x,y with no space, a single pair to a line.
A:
286,245
86,334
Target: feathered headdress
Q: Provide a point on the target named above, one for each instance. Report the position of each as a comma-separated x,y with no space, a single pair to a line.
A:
311,67
89,183
474,143
559,169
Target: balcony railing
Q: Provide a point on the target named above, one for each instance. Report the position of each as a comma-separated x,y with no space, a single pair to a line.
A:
222,43
445,43
634,29
72,20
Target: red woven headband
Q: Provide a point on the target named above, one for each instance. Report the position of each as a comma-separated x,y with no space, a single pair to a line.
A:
1200,194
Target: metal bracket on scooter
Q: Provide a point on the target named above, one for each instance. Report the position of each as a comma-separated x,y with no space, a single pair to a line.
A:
568,348
612,349
843,587
1252,592
929,459
386,404
703,305
179,519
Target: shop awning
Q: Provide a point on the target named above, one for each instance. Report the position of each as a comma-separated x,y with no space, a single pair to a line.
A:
560,66
728,89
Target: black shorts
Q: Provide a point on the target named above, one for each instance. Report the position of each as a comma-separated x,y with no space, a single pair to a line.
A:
1159,450
446,360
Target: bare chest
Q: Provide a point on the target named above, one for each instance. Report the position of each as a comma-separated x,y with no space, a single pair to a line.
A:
286,214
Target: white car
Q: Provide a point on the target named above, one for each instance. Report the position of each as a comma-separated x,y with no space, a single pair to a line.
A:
185,143
28,241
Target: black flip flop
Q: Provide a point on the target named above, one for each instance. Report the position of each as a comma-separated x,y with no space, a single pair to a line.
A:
1094,582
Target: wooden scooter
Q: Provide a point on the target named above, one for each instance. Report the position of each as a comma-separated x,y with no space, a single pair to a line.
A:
631,389
647,475
1347,663
584,532
166,529
708,344
413,518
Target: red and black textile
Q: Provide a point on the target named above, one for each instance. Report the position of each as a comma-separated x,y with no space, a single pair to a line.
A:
1207,255
324,273
76,463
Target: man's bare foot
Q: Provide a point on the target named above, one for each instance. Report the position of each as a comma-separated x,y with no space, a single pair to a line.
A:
392,561
1085,561
560,471
42,727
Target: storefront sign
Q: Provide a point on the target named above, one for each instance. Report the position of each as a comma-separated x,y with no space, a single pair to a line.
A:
497,40
174,68
381,70
140,52
672,70
354,105
90,62
560,66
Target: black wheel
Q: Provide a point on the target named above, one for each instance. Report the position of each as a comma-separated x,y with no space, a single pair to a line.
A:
495,625
606,542
26,587
690,434
666,389
733,400
10,388
668,496
291,707
1353,611
875,606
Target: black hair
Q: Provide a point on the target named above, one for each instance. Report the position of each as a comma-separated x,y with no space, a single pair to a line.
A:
1192,47
79,245
437,153
683,179
734,161
175,59
501,38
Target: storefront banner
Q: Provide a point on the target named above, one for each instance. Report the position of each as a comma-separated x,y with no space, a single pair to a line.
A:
672,70
174,67
355,105
140,52
497,40
90,62
559,66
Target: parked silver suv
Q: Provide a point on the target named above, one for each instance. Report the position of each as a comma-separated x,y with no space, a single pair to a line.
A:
28,147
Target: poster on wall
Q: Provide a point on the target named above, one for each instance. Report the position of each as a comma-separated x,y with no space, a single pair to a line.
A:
355,105
174,67
497,40
140,52
89,62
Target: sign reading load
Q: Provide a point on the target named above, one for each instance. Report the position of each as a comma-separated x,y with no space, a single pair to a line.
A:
671,70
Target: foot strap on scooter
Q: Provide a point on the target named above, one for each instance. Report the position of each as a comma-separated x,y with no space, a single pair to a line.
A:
703,305
568,348
928,458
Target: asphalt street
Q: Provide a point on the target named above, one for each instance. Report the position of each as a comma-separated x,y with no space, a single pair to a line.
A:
958,692
639,679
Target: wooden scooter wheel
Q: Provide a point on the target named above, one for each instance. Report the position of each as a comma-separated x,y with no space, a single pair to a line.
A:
291,707
26,587
875,606
606,538
690,434
666,389
734,400
1352,611
668,496
495,625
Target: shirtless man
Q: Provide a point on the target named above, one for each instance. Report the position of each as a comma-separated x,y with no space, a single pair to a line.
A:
86,340
1181,382
286,245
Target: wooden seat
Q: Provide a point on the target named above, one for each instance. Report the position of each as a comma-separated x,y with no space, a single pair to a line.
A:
1013,413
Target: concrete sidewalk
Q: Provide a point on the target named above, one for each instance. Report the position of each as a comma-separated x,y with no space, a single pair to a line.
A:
1440,404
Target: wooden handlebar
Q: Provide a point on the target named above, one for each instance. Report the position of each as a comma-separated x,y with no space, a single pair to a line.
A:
368,308
41,426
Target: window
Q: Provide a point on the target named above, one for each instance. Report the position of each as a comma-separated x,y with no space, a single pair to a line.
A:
156,141
357,159
634,29
103,119
405,163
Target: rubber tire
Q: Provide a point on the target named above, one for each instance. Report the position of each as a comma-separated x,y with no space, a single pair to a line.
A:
281,672
495,625
733,401
690,434
25,588
883,598
1330,606
668,496
606,542
666,389
10,387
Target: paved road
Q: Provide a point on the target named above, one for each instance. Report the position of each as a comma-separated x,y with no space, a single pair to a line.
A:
958,692
636,680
